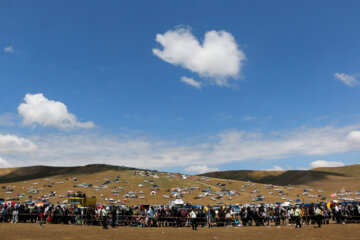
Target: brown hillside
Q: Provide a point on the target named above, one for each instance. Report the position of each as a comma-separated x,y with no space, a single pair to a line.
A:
313,177
20,183
124,181
35,172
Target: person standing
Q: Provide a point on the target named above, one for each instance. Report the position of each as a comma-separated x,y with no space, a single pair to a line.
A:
42,216
104,216
297,215
337,214
15,214
113,217
318,215
193,219
150,216
277,215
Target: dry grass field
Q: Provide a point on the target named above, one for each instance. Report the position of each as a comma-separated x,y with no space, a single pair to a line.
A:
129,182
69,232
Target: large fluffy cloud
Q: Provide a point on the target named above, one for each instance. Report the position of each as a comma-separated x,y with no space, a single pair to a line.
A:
14,144
217,58
200,169
37,109
323,163
349,80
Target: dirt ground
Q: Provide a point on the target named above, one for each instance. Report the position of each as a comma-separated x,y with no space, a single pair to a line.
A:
69,232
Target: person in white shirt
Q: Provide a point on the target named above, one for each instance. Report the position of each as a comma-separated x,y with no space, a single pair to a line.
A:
297,216
318,215
193,219
337,214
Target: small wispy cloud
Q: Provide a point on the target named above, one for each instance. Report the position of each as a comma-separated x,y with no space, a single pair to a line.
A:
200,169
224,116
249,118
323,163
349,80
275,168
191,82
7,119
9,49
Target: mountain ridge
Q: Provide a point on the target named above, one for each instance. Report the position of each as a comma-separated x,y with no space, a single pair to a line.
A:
40,171
292,177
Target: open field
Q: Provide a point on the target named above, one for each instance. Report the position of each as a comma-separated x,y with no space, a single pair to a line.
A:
121,181
128,182
69,232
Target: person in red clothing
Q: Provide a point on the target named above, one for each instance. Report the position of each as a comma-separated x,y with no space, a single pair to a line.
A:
42,215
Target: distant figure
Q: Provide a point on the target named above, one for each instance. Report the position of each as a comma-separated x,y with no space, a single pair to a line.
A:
318,215
113,217
337,210
103,214
277,215
297,215
193,219
15,214
42,215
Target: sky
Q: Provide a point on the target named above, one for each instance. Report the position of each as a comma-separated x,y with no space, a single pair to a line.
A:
188,86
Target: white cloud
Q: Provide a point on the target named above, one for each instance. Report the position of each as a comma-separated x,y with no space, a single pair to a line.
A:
275,168
14,144
217,58
303,169
200,169
4,163
354,136
241,146
37,109
146,152
349,80
9,49
191,82
323,163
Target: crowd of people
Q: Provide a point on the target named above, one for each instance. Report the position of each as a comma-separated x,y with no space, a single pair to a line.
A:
187,215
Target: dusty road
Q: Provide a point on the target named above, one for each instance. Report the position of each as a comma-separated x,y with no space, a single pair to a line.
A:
69,232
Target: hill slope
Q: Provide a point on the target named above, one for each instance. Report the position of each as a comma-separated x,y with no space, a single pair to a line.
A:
112,182
294,177
35,172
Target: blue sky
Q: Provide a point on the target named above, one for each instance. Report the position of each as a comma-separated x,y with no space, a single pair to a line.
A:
284,83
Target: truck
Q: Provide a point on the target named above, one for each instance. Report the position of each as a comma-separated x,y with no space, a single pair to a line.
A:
82,201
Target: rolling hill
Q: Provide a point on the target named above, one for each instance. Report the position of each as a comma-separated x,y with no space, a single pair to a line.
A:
327,177
108,182
8,175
